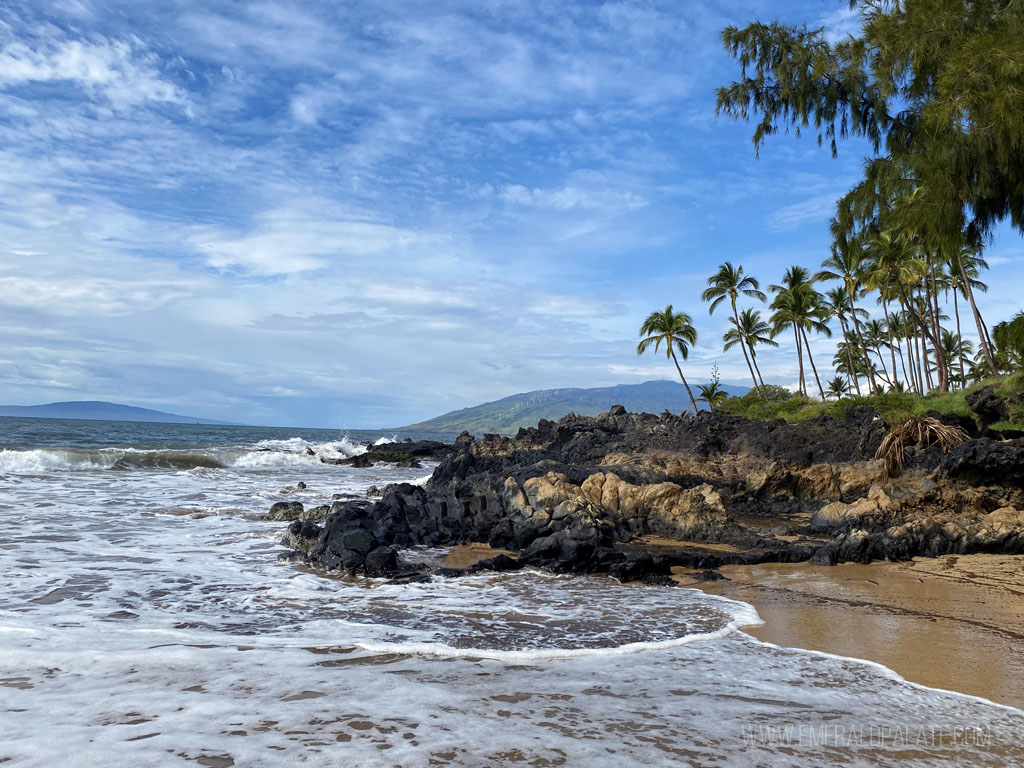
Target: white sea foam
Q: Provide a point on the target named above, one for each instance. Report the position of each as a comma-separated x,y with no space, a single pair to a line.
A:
421,480
132,634
46,460
294,452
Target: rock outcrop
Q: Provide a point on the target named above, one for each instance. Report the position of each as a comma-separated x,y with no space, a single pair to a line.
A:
634,495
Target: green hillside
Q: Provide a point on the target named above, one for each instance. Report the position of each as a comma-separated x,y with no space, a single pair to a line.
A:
507,415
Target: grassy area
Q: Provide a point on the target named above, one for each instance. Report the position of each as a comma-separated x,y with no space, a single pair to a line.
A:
893,406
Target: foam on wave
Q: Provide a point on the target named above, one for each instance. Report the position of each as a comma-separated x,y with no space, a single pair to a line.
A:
745,615
265,454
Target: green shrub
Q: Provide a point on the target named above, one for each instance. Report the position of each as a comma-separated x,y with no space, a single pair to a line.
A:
892,406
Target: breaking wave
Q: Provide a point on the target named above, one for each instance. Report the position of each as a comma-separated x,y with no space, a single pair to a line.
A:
265,454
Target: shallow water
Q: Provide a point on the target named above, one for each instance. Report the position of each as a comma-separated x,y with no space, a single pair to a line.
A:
144,620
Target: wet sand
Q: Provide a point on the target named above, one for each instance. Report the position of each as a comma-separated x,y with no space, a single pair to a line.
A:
954,622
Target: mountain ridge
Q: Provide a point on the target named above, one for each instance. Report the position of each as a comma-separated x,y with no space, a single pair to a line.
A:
101,410
506,415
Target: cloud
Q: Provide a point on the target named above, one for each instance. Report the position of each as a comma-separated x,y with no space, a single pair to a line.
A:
569,197
819,208
362,214
302,238
841,23
120,72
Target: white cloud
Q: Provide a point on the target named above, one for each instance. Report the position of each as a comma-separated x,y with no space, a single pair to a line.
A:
294,239
569,197
819,208
87,296
117,70
841,23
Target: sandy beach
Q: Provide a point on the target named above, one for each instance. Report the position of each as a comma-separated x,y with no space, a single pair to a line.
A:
954,622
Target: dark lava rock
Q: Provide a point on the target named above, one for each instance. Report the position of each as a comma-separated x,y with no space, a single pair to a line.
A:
498,563
285,510
733,481
986,462
382,561
316,514
708,576
452,573
302,536
645,568
987,406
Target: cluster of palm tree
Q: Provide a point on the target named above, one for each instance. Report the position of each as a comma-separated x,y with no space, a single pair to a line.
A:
906,345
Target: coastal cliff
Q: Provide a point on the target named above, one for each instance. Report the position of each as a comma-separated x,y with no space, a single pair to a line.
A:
633,495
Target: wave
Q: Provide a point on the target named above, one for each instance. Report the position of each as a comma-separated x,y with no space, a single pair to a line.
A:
266,454
742,615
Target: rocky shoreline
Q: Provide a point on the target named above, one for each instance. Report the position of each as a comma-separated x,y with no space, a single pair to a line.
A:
634,495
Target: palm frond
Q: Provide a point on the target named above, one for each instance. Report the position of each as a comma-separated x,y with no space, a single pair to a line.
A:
924,431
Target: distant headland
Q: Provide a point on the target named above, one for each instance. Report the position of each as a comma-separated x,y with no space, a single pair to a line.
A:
98,410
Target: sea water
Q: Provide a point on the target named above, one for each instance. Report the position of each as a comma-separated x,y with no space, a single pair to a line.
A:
146,621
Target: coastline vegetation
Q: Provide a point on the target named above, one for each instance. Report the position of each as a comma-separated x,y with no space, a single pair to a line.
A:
894,406
937,90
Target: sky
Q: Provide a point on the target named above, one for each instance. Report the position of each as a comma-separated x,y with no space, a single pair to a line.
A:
364,214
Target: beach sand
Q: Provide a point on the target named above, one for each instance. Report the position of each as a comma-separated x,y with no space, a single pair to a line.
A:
954,622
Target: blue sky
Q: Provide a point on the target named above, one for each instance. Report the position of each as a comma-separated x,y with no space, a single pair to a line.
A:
365,214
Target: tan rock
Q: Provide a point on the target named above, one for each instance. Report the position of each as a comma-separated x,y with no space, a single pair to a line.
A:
550,490
857,478
1005,518
817,481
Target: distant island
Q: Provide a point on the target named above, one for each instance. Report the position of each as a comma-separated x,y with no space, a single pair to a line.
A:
97,410
507,415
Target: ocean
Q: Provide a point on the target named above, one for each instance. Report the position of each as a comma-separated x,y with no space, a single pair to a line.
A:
146,621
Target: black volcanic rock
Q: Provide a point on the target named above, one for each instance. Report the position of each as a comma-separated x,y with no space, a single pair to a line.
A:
633,495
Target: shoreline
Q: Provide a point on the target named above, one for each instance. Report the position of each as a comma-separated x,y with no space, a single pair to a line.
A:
955,622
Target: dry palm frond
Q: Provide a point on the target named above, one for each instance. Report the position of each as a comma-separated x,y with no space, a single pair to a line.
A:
924,431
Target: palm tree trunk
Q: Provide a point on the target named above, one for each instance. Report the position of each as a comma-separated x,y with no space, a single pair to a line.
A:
908,337
849,356
903,365
892,348
757,368
983,338
959,338
932,296
919,342
813,366
693,403
885,371
743,346
863,348
800,357
920,323
924,342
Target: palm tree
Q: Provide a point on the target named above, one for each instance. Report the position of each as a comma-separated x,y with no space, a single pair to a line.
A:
965,264
677,331
953,348
839,303
794,277
847,359
712,394
838,388
1009,343
730,282
846,263
896,261
897,327
798,306
750,330
877,338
